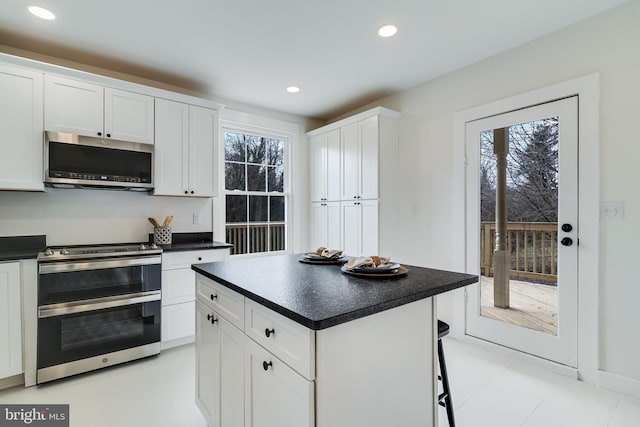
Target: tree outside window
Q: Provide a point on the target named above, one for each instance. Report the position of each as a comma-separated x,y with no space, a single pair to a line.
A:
255,197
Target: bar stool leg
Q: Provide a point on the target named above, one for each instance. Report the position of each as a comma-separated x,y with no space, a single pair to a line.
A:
445,398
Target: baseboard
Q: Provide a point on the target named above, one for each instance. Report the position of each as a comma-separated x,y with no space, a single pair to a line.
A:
178,342
554,367
619,384
11,381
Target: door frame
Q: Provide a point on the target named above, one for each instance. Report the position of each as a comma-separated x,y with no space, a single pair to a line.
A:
587,88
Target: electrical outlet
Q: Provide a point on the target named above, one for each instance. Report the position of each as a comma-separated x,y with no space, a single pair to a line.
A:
611,210
196,218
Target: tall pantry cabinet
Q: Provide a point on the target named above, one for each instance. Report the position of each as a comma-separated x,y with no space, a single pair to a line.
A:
354,168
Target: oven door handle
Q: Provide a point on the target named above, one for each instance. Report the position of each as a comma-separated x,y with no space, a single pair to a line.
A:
97,264
61,309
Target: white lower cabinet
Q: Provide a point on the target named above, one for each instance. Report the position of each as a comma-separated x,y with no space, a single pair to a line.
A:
275,394
10,320
219,369
178,293
360,227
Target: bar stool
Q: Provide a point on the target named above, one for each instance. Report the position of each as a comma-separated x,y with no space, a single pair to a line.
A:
444,398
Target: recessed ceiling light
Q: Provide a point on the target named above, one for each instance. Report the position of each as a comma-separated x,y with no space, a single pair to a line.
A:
293,89
387,30
41,12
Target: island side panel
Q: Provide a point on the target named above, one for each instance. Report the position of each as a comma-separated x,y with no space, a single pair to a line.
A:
378,371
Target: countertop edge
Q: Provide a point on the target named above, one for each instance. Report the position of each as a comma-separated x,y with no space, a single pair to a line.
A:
317,325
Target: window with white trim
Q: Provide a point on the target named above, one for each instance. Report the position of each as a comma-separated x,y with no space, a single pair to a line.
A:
256,201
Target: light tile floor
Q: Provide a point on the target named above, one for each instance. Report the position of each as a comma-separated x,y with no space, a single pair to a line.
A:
489,389
494,389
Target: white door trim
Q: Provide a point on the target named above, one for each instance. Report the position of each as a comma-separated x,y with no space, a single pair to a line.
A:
588,90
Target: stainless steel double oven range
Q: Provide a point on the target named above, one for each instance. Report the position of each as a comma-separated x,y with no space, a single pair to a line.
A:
97,306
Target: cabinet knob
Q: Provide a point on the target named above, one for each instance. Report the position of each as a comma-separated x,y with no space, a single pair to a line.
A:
214,297
266,365
192,192
567,228
99,133
186,192
268,332
108,135
355,197
567,241
211,318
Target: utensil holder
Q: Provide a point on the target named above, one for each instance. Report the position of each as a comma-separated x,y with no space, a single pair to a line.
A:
162,235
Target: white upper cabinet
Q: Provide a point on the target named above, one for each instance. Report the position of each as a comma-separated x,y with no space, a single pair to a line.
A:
91,110
128,116
325,166
359,156
184,149
21,127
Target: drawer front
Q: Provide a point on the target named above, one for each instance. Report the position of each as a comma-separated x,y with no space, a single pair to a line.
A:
178,321
229,304
291,342
178,286
173,260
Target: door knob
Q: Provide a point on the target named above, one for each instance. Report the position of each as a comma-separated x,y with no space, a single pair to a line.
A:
566,227
567,241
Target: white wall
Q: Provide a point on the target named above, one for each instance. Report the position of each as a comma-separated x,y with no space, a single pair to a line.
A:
608,44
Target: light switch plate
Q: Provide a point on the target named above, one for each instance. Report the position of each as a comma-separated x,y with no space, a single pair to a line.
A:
612,210
196,218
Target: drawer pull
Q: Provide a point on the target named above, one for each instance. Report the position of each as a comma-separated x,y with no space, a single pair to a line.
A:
268,332
214,297
199,258
266,365
211,318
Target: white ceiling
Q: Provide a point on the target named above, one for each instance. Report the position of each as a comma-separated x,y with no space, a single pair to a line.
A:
250,50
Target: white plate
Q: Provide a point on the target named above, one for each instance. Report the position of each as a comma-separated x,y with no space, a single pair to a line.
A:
388,267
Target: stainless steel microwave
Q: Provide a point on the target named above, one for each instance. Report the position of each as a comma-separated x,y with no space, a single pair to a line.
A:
78,161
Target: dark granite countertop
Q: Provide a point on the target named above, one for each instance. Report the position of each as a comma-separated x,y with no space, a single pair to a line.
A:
21,247
191,242
321,296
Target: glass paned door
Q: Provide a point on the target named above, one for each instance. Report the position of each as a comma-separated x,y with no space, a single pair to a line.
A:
522,223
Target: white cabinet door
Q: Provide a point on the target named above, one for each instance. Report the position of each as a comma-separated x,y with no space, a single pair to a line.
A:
22,134
275,395
368,162
219,369
370,227
72,106
231,375
128,116
333,176
325,166
184,152
325,225
201,154
10,320
318,168
350,161
171,148
318,225
351,216
178,322
207,365
360,228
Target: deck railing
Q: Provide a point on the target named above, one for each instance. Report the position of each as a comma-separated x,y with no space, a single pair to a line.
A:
251,238
533,247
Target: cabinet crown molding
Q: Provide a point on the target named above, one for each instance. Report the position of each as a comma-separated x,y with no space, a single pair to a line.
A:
377,111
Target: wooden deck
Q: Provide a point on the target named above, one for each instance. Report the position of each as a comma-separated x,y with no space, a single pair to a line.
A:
532,305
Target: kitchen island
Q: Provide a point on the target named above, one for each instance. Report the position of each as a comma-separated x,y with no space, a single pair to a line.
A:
282,343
